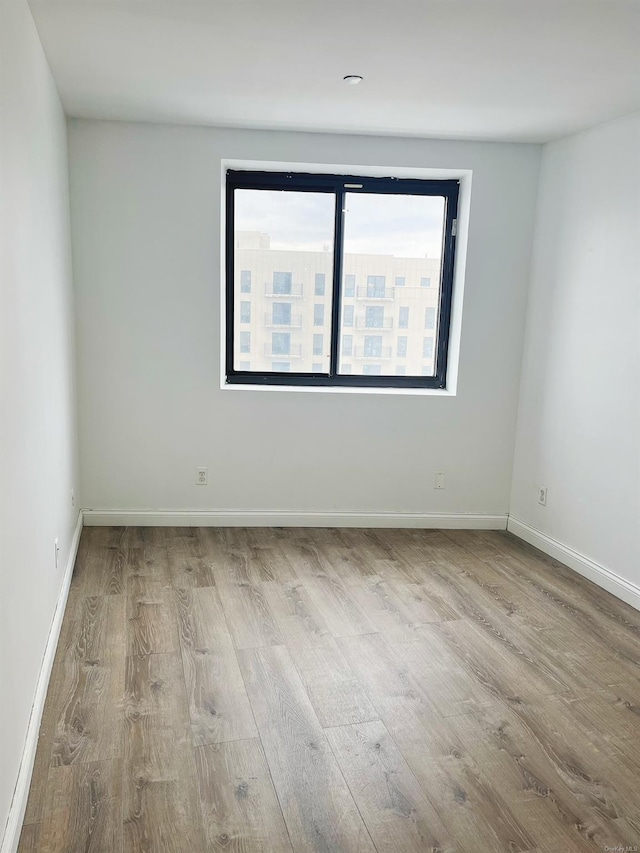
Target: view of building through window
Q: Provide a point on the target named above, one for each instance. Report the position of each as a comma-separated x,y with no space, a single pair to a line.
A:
283,282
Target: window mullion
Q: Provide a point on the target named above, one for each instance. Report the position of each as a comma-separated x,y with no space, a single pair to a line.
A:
448,252
338,251
230,288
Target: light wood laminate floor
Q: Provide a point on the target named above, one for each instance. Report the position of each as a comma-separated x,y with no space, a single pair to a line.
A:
336,691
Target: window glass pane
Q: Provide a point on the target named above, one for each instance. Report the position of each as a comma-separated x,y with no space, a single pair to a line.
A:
374,317
283,247
376,287
282,283
281,314
347,315
347,345
372,347
392,251
430,318
349,285
280,343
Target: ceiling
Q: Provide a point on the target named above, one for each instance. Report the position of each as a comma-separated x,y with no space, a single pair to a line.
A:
519,70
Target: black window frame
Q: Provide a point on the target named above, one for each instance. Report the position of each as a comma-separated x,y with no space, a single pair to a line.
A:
339,185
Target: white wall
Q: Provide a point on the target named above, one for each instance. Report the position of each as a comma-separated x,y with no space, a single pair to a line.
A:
146,225
37,423
579,417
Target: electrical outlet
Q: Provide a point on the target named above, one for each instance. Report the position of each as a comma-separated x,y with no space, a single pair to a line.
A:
542,495
439,480
56,552
202,476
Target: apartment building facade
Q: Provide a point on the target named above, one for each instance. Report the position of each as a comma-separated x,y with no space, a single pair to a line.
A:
283,307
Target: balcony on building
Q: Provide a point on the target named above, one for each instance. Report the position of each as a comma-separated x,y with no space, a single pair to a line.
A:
372,292
374,323
293,322
272,290
373,353
293,351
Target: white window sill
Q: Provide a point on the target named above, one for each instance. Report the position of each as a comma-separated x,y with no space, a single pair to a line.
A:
323,389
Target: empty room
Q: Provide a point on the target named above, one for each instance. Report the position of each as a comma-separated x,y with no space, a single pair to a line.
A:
319,426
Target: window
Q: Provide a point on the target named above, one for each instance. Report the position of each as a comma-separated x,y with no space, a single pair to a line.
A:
355,242
281,313
375,286
372,346
430,317
281,343
349,285
374,317
401,370
347,316
282,283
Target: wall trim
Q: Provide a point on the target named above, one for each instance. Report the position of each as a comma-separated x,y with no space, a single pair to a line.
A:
599,574
290,518
13,827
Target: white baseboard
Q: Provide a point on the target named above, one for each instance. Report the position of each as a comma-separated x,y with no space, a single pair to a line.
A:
13,826
270,518
600,575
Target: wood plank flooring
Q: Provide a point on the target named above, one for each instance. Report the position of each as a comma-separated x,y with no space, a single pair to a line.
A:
336,691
